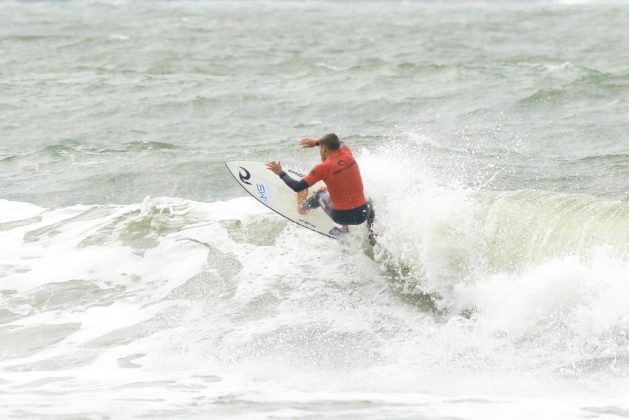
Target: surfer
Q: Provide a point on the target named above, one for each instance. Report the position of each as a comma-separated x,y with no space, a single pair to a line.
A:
343,198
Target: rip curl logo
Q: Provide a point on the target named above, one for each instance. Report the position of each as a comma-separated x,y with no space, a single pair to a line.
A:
263,191
344,168
244,178
340,162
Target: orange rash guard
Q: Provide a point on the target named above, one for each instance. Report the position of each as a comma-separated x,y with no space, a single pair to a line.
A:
341,175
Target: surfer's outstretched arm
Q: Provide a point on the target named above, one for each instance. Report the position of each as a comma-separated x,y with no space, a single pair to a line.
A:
310,142
293,184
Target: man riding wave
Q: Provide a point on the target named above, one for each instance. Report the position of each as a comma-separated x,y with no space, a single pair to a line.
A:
343,198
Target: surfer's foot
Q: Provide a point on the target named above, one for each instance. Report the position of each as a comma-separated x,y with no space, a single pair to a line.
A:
339,231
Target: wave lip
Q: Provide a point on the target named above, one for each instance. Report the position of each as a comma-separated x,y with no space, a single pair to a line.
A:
527,226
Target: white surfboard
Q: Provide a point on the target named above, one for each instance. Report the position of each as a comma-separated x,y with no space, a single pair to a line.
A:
270,190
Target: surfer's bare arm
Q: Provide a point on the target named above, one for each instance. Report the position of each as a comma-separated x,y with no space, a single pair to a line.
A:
310,142
293,184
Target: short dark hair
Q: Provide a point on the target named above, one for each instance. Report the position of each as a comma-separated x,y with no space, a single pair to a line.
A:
331,141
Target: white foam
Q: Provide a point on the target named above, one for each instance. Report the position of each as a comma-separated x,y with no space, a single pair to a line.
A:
290,313
14,210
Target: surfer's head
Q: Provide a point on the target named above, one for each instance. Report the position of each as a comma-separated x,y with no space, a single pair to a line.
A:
328,144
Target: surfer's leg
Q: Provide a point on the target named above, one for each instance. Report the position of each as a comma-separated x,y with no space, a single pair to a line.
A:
371,216
324,201
319,199
312,202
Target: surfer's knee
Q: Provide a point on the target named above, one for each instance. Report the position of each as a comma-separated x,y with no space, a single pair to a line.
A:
323,197
316,200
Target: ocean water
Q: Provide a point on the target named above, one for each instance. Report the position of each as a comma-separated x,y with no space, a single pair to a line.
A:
138,280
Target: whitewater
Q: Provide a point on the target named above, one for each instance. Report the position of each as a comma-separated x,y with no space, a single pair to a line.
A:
138,280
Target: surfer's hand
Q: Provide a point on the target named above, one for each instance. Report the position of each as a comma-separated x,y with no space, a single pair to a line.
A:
275,167
308,142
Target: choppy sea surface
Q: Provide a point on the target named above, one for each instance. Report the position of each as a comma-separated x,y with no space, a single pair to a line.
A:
138,280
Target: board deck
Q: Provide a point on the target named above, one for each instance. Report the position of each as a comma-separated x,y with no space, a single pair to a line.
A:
270,190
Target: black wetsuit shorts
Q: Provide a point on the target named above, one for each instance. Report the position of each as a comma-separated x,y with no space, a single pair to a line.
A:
354,216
